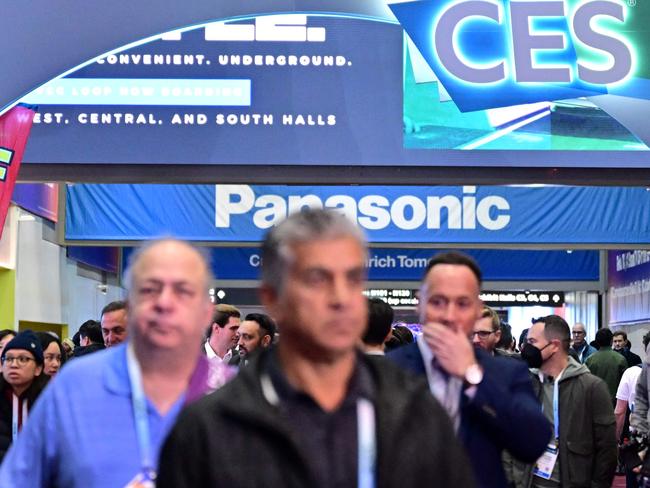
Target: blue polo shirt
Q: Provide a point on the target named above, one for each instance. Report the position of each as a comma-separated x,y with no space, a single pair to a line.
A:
81,432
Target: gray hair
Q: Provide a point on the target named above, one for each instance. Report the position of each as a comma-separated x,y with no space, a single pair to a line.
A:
301,227
135,258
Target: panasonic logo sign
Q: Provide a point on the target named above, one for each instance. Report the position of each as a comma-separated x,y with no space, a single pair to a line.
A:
372,212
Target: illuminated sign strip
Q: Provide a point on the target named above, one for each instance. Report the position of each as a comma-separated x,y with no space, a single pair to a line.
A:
158,92
397,297
523,298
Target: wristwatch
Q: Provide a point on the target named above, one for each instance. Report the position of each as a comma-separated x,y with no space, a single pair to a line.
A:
473,374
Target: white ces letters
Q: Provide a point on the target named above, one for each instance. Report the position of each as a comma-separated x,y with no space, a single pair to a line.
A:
526,41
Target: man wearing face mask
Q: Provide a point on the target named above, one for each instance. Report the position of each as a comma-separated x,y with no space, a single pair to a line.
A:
582,450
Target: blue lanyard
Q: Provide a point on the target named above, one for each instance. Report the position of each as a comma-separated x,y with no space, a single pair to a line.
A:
367,444
139,402
366,434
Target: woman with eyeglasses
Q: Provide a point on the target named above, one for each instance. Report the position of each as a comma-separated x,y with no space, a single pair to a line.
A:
53,355
20,385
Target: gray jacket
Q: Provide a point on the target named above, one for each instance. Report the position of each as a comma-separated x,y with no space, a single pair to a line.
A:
587,445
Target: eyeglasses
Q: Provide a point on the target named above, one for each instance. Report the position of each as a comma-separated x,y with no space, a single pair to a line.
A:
483,334
20,360
578,332
52,357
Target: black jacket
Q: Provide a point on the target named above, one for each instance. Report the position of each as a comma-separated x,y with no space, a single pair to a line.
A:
503,415
235,437
631,358
6,408
89,349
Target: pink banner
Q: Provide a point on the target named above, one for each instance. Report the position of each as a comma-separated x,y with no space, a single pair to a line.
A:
14,131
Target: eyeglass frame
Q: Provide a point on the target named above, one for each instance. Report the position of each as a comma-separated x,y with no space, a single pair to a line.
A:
19,360
483,334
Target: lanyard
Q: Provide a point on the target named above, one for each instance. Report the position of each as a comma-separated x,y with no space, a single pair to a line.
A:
366,433
556,405
139,403
367,445
14,416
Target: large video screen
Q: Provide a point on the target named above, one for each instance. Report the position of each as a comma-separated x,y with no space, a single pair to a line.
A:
481,83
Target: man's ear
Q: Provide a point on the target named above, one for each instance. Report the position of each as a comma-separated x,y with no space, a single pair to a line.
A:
497,334
558,344
421,309
266,340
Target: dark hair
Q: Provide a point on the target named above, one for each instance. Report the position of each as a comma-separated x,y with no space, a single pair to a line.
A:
47,338
223,312
621,333
524,336
112,307
604,337
92,330
401,336
264,321
5,332
456,258
380,319
506,336
646,340
555,327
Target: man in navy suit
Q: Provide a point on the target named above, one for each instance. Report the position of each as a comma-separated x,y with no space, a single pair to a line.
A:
489,399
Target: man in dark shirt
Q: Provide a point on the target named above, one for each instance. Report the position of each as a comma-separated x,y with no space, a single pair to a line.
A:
90,338
255,332
380,321
606,364
315,411
621,345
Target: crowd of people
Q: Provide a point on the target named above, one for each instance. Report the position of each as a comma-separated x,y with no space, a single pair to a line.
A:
169,390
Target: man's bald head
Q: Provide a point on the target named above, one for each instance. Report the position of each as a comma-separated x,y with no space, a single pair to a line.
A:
170,247
169,305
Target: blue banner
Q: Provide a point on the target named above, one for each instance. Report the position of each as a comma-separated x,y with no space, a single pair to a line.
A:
104,258
39,198
429,215
391,264
628,277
